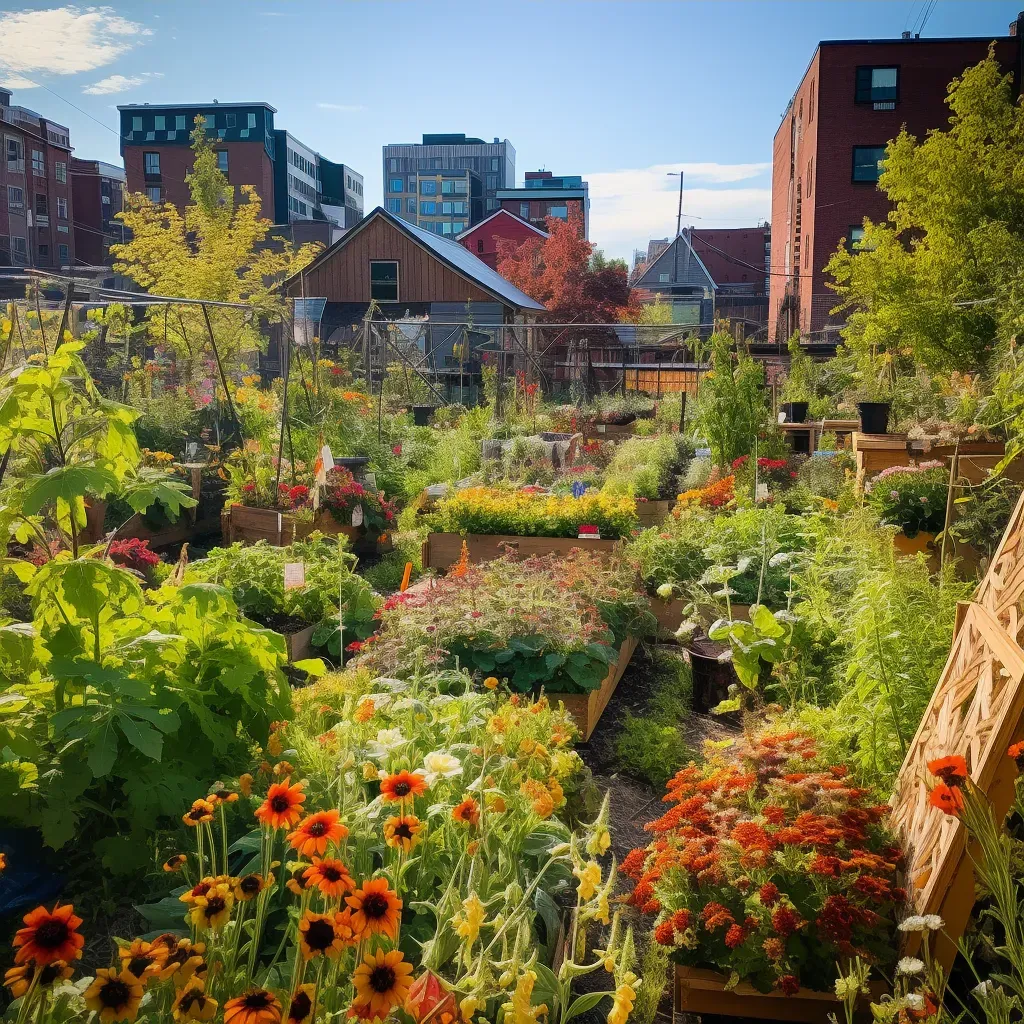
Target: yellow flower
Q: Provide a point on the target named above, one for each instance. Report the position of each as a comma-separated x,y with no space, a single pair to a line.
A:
599,843
590,878
469,1006
557,794
521,1010
622,1001
370,771
467,924
491,682
603,912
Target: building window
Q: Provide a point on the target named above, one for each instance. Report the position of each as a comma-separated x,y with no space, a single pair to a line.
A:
428,208
153,193
38,163
493,204
394,206
867,162
458,207
63,254
384,280
878,85
250,120
561,212
151,164
479,245
60,170
395,185
222,160
15,156
458,226
392,164
492,182
136,124
446,208
160,122
229,120
448,187
62,208
179,122
495,163
446,228
63,229
41,210
19,250
44,253
210,123
524,211
663,279
428,188
411,205
15,197
461,188
810,108
855,238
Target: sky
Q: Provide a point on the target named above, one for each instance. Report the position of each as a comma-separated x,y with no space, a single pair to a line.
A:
620,92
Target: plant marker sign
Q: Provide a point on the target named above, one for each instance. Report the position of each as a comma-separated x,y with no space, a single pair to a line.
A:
294,575
589,532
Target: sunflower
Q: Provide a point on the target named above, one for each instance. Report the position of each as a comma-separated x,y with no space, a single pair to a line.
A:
201,811
49,936
176,863
192,1002
19,979
144,959
213,910
301,1005
376,908
283,806
316,831
381,982
114,996
251,885
468,812
184,959
319,937
330,876
401,787
403,832
257,1006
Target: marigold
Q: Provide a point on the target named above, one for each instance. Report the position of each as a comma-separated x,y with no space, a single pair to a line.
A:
49,936
282,807
315,832
715,916
1016,752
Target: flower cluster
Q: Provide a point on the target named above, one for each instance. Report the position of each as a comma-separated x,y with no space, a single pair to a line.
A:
720,494
343,494
911,497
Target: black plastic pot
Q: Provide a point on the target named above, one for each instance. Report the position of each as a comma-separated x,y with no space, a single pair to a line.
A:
421,415
874,417
796,412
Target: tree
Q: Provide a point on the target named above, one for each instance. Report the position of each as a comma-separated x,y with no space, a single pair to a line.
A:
219,250
941,279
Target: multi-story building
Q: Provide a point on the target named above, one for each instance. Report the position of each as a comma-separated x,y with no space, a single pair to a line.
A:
341,192
854,97
296,182
36,202
544,195
97,189
479,169
739,259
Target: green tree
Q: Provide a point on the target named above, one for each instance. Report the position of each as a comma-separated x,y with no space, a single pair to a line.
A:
219,249
941,279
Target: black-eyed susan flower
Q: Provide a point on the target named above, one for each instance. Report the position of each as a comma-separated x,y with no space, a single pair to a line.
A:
403,832
197,890
185,959
316,831
222,796
200,812
19,979
175,863
283,805
114,996
319,937
402,786
376,908
257,1006
249,886
144,959
49,935
192,1003
301,1005
467,812
330,876
212,911
382,981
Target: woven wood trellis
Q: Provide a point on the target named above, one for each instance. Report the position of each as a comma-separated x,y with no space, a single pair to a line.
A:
976,711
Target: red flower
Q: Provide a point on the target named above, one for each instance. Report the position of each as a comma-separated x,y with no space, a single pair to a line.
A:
1016,751
396,449
769,893
735,936
665,934
785,921
789,985
948,800
714,915
952,770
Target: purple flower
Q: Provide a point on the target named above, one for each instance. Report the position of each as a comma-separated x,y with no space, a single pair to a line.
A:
895,495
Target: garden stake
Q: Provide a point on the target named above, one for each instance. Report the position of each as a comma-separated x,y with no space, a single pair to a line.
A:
954,468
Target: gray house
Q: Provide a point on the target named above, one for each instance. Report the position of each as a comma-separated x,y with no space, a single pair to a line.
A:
680,278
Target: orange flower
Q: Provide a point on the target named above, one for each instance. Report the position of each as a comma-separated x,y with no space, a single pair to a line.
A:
318,936
201,811
1016,751
330,876
245,784
401,787
316,831
175,863
366,710
948,799
402,833
48,936
376,909
468,812
257,1006
952,770
283,806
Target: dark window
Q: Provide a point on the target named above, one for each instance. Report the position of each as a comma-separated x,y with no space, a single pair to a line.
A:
222,160
428,188
229,120
154,195
151,163
524,211
877,85
854,237
394,206
867,162
428,208
479,245
384,280
40,205
44,253
62,254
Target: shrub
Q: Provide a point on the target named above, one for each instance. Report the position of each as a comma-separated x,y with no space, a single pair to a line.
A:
646,467
911,497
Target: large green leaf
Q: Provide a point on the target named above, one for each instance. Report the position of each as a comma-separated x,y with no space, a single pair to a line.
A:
66,483
149,488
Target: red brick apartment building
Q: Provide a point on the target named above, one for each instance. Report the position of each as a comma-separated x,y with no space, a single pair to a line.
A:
854,97
35,190
98,191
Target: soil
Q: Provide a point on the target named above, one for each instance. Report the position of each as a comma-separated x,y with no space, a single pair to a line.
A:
281,623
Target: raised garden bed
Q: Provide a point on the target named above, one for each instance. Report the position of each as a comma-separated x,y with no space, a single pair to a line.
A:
654,512
249,525
587,708
443,550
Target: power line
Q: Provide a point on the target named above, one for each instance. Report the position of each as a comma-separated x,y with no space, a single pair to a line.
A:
79,109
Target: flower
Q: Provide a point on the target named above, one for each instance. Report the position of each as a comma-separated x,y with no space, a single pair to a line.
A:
192,1002
910,965
429,999
948,800
200,812
376,909
468,921
789,985
316,831
441,765
913,923
184,959
467,812
665,591
590,878
114,996
330,876
49,936
18,979
301,1005
257,1006
318,936
952,770
143,959
245,784
933,922
175,863
523,1011
282,807
382,982
222,796
249,886
622,1001
491,682
402,833
213,911
403,786
1016,752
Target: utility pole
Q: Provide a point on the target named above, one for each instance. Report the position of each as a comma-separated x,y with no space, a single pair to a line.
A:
679,226
679,214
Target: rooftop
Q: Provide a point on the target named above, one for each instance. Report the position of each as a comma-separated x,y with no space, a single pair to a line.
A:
208,103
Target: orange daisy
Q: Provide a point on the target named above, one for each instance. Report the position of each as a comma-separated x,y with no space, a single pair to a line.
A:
50,936
376,908
947,799
468,812
200,812
330,876
257,1006
402,833
316,831
318,936
282,807
401,787
952,770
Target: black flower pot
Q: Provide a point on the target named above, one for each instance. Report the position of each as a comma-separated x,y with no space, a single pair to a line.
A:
421,415
796,412
874,417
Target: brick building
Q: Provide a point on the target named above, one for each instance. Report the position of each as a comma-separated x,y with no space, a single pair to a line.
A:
544,195
482,240
854,97
97,189
36,202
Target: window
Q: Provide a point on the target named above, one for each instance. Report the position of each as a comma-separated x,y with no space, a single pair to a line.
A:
38,163
447,187
436,163
663,279
878,85
136,124
524,211
62,208
446,228
154,194
15,156
411,205
151,164
392,164
44,253
458,207
384,280
412,184
460,188
395,185
495,163
229,120
63,229
867,162
428,188
428,208
160,122
479,245
446,208
394,206
492,181
19,250
41,210
492,204
222,160
63,254
458,226
15,198
60,170
810,108
250,120
562,212
179,122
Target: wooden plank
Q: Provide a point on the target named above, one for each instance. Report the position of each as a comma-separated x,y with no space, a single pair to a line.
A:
653,512
587,708
443,550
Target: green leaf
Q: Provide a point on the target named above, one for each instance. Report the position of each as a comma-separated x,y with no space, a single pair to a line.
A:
103,752
311,666
584,1003
142,737
66,483
153,486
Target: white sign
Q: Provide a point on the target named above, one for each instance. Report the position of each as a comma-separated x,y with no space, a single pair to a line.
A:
191,450
294,575
762,492
328,459
357,515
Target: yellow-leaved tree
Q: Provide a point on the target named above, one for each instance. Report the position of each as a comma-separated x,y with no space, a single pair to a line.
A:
221,250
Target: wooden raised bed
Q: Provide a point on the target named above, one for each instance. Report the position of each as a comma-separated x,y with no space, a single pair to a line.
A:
249,525
654,512
443,550
587,708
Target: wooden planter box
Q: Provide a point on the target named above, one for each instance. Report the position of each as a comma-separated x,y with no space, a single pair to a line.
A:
702,991
668,613
608,431
299,645
443,550
249,525
653,513
587,708
875,452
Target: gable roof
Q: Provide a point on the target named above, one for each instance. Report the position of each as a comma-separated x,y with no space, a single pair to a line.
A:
692,270
453,254
498,213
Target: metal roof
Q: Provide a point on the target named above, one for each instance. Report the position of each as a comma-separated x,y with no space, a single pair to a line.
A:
178,106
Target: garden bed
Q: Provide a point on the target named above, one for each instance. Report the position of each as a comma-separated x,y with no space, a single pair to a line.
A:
587,708
443,550
653,513
249,525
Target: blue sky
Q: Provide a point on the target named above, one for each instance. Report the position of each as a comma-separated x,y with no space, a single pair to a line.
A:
617,91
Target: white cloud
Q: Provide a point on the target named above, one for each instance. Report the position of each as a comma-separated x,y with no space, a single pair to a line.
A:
344,108
16,81
64,40
118,83
628,207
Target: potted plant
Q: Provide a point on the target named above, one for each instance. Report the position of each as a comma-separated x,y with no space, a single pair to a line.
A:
873,397
912,498
797,385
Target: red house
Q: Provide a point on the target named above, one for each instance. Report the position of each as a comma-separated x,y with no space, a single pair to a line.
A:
482,239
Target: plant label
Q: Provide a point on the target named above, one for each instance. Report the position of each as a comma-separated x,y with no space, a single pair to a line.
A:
357,515
191,450
370,481
294,575
782,417
762,492
327,457
602,429
589,533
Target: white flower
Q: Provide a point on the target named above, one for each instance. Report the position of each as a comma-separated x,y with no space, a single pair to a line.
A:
914,923
386,741
910,965
441,765
933,922
914,1000
983,989
665,591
